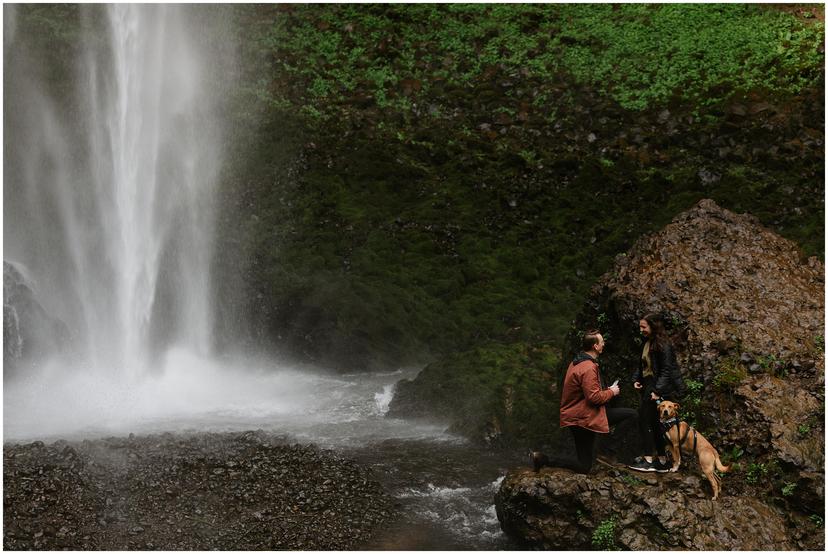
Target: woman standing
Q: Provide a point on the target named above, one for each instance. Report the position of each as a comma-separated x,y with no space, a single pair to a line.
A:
658,377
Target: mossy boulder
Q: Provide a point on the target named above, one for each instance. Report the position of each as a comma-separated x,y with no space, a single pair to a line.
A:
500,394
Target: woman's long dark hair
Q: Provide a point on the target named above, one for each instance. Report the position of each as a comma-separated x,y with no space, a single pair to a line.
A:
658,335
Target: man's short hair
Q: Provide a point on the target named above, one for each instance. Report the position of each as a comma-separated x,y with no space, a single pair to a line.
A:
590,339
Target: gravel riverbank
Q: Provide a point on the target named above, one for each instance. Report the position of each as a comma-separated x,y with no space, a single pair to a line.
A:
200,491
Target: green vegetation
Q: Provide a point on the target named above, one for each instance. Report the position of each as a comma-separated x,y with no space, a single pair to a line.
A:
692,401
641,55
730,374
788,489
733,455
631,480
756,472
603,537
439,208
803,430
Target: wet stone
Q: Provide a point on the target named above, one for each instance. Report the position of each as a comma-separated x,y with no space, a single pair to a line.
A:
174,492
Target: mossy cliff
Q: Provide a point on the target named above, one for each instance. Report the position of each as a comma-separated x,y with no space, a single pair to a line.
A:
424,180
429,181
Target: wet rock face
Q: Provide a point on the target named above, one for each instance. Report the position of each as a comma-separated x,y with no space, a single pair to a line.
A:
556,509
732,284
233,491
746,314
28,330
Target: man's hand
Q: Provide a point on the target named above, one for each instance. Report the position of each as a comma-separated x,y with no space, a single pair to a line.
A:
638,385
616,390
654,396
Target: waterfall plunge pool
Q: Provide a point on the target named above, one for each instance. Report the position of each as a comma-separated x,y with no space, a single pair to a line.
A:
444,485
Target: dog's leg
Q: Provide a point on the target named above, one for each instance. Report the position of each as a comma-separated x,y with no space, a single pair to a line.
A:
714,483
675,448
707,462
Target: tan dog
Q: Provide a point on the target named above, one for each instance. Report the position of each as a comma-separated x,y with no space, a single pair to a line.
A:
682,436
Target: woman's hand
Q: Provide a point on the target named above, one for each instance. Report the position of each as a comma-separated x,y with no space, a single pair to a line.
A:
654,396
638,385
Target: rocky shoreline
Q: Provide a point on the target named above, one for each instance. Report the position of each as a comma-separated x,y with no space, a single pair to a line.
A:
199,491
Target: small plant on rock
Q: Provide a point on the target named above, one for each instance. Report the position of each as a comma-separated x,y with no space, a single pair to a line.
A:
733,455
756,472
788,489
603,537
631,479
803,430
692,401
730,375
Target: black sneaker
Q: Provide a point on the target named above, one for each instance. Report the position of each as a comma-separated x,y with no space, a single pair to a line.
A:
661,467
538,460
643,465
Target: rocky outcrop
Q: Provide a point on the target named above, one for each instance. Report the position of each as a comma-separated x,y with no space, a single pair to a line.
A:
734,285
613,509
746,313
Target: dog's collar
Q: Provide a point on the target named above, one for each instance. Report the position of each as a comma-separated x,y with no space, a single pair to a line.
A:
667,424
670,422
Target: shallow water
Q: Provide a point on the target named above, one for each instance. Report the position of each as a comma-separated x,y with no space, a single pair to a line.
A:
444,485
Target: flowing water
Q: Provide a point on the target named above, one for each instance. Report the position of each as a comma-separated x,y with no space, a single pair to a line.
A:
444,486
109,208
109,186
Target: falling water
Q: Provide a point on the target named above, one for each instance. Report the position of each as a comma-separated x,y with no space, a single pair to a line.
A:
109,200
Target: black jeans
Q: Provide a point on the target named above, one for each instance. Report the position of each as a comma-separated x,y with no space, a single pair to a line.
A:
649,426
585,442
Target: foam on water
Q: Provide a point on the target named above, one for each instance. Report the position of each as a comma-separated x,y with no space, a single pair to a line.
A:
197,393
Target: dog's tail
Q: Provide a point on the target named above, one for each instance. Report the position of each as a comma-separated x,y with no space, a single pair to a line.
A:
720,466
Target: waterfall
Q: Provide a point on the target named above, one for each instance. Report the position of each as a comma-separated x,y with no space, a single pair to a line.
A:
110,182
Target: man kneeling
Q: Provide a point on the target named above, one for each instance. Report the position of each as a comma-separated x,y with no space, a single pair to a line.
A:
583,406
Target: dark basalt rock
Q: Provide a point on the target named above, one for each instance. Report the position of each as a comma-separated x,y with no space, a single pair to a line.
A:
557,509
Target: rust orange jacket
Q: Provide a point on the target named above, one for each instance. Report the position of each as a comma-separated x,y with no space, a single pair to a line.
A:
583,398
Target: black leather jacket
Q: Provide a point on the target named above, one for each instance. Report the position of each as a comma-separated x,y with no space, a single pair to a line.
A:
667,382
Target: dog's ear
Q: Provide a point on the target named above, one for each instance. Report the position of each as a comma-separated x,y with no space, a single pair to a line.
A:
677,405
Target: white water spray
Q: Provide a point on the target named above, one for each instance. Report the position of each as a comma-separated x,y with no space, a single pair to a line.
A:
113,150
113,189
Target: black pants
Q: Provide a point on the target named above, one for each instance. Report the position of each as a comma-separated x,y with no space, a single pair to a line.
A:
649,426
585,442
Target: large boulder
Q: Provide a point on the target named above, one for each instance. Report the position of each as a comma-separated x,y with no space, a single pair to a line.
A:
731,286
557,509
746,312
